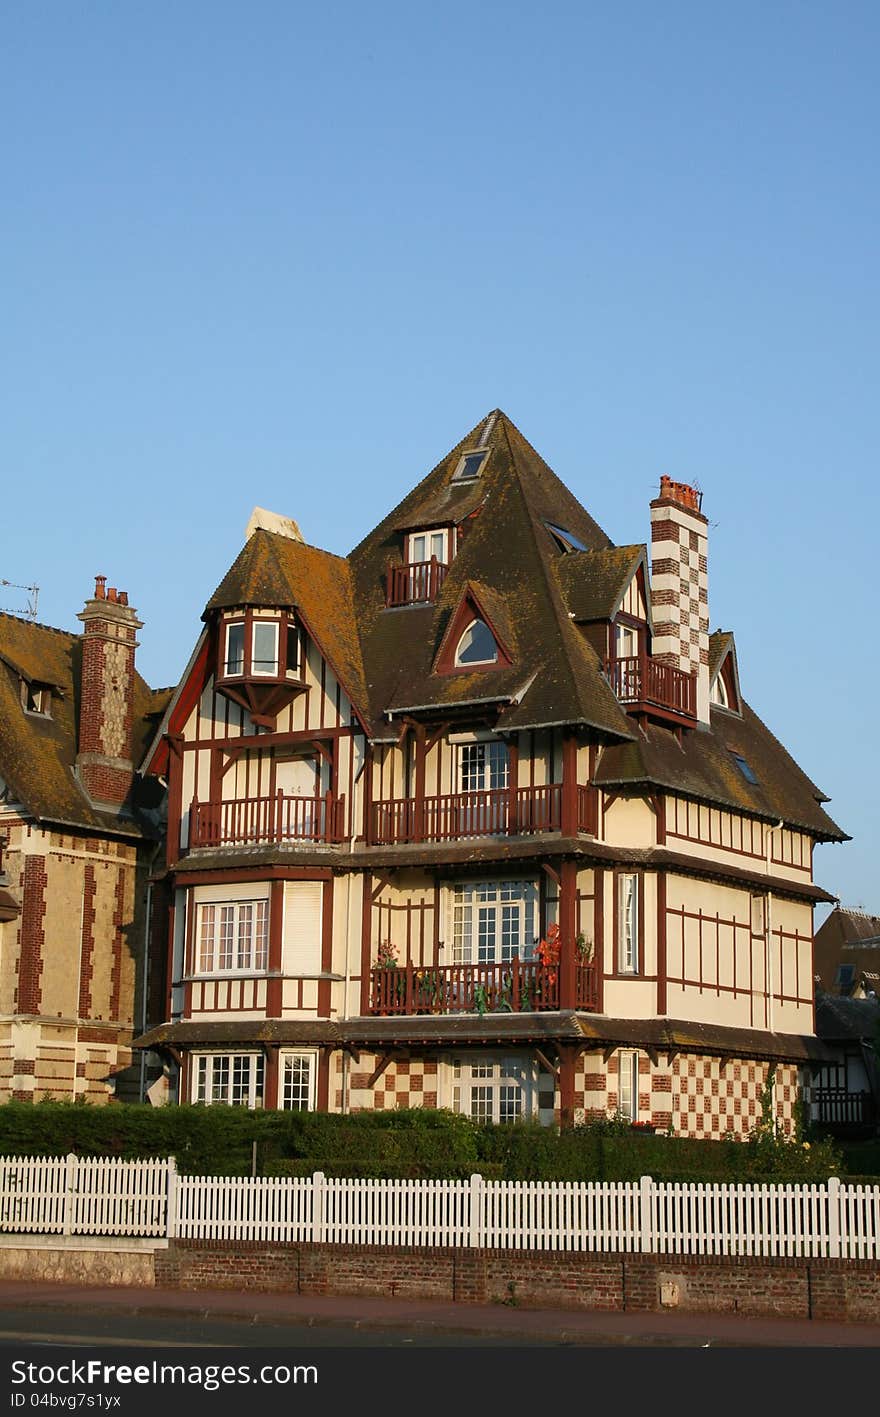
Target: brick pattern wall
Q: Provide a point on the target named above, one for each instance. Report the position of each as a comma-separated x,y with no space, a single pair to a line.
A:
409,1082
695,1095
32,936
838,1290
680,592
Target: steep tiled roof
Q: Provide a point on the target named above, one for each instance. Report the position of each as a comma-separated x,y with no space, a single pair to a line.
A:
38,752
703,766
275,570
593,582
507,549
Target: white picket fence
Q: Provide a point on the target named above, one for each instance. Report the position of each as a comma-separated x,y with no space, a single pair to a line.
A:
103,1196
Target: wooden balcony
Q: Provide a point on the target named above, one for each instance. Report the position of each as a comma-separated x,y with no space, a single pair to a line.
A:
503,811
647,684
515,986
842,1112
415,582
252,821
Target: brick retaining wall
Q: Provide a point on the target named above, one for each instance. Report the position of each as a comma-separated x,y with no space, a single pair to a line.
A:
789,1288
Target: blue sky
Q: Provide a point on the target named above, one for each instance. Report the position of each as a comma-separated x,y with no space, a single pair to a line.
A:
288,255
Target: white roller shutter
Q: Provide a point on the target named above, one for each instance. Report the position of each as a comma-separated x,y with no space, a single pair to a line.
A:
302,927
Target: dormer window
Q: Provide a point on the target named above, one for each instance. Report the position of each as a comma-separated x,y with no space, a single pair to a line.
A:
476,646
419,579
428,546
36,698
260,646
565,540
470,465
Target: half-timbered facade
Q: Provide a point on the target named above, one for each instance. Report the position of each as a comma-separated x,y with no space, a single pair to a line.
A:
79,833
477,817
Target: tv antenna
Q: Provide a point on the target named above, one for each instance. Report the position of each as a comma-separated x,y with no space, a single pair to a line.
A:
33,592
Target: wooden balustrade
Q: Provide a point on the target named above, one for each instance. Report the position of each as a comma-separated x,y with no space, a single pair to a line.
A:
248,821
514,986
643,681
415,582
501,811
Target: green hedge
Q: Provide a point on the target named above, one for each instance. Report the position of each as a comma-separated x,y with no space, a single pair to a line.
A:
418,1142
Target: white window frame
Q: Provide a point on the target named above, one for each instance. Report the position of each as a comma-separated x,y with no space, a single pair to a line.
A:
259,623
228,671
719,693
232,936
230,1079
286,1063
460,475
483,914
433,534
475,663
627,923
483,766
628,1085
626,640
492,1089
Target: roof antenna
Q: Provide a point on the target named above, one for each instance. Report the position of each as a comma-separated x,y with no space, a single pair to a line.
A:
33,595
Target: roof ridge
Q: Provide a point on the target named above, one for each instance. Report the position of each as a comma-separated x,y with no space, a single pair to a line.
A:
38,625
309,545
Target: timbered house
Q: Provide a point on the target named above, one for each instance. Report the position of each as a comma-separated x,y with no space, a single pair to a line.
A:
477,817
79,833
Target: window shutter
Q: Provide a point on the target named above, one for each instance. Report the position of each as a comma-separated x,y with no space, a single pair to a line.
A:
302,927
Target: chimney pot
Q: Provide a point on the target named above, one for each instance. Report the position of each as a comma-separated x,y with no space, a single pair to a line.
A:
100,582
123,597
111,593
682,493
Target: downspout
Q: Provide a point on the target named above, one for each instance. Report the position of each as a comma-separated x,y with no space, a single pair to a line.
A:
346,1059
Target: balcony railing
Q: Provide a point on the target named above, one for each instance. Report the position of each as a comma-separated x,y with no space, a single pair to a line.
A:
836,1108
498,811
414,583
647,683
517,986
250,821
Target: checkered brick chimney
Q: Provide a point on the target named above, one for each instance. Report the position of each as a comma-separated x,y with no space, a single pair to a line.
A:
680,584
106,710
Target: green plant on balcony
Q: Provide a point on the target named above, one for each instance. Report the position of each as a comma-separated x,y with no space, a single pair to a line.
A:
428,990
386,956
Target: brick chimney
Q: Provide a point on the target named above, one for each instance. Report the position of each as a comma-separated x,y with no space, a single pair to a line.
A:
680,584
106,709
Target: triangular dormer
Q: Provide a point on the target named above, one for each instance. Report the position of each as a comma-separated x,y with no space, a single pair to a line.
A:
477,636
724,690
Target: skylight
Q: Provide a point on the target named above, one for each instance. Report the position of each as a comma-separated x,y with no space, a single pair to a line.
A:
744,767
566,539
470,466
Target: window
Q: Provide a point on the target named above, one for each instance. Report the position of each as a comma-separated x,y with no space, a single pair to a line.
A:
483,766
264,647
233,935
719,693
744,768
566,540
470,466
297,1082
477,645
628,924
232,1078
492,1090
233,660
494,921
36,698
423,545
846,974
628,1086
626,641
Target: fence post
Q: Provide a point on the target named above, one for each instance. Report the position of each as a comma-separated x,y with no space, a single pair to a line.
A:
646,1188
319,1191
475,1227
834,1217
171,1200
69,1193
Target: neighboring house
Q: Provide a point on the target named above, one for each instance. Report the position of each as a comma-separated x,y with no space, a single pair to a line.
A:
477,817
845,1093
848,953
77,839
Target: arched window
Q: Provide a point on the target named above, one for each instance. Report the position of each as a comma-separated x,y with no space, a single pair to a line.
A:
477,645
719,693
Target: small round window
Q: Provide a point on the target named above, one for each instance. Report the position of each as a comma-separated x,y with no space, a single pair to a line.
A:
477,645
